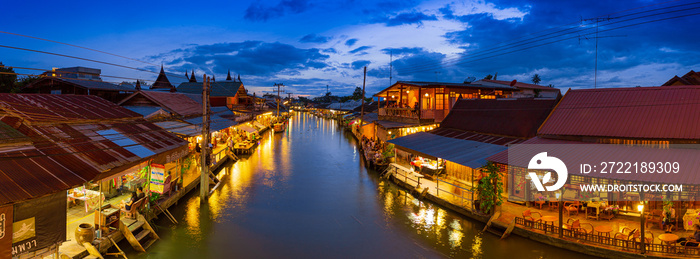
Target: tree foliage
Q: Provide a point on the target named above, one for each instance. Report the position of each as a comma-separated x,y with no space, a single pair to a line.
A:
536,79
490,188
8,78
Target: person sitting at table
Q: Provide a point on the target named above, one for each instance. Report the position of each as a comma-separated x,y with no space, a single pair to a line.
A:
131,201
693,239
139,193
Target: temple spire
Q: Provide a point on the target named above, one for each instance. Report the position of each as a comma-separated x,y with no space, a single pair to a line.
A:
187,75
228,76
161,82
192,78
138,85
239,78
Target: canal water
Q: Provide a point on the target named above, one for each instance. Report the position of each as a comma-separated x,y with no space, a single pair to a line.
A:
306,194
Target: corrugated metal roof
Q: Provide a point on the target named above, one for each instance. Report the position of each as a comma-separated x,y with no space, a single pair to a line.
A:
177,103
518,85
671,112
65,155
464,152
484,138
144,110
216,122
218,89
574,153
47,108
517,118
29,174
9,135
182,128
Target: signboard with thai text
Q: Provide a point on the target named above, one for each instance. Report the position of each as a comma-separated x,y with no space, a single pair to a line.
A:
6,232
157,178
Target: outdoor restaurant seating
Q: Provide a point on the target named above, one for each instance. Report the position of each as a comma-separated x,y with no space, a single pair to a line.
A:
571,206
529,219
554,205
579,228
133,212
626,234
656,216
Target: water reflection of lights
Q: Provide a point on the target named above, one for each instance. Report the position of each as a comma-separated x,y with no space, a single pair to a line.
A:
477,250
456,238
192,219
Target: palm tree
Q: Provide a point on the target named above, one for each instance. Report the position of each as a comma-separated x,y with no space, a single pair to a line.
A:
536,79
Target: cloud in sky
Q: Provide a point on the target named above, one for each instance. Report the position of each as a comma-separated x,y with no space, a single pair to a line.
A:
313,38
408,18
350,42
254,58
259,12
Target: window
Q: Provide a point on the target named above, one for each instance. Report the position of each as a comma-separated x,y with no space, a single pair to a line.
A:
56,91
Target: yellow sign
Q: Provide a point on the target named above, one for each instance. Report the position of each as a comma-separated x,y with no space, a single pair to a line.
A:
23,230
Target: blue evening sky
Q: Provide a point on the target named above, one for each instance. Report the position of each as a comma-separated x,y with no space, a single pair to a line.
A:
308,44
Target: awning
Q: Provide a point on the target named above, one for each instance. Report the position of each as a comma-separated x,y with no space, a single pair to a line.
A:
393,124
258,124
464,152
216,122
247,128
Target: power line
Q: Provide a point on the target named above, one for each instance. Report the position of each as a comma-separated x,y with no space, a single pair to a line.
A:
560,33
72,45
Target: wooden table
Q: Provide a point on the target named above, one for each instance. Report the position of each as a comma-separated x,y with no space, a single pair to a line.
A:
669,239
603,229
546,219
540,203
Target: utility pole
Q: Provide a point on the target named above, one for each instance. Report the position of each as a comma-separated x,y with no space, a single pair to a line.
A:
391,65
278,98
362,110
204,177
597,20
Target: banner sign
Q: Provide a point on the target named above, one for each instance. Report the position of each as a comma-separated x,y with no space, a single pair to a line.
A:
6,231
157,178
39,223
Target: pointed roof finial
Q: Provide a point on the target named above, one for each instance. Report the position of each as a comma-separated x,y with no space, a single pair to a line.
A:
161,82
192,78
228,76
239,78
213,78
187,75
138,85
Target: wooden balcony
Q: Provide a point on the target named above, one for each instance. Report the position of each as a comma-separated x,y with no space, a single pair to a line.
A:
408,115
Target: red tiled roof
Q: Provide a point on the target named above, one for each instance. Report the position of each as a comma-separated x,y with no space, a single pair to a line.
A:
45,108
503,117
671,112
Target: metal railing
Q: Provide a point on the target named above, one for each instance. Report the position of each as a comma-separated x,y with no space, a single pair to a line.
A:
465,202
460,196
